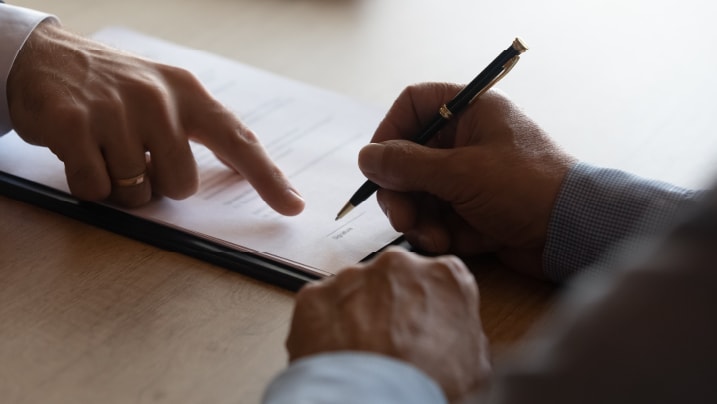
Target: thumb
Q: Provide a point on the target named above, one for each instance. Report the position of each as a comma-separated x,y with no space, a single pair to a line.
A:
404,166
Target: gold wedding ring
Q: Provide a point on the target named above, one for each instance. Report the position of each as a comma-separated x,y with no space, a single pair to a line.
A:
130,182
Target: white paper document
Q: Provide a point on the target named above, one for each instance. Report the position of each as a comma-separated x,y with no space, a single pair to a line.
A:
313,135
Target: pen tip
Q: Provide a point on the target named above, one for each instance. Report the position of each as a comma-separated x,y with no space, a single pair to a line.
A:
346,209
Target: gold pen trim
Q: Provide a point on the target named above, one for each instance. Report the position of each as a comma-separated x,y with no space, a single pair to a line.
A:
506,68
445,112
519,45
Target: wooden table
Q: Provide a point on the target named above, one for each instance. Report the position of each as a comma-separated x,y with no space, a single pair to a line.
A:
90,316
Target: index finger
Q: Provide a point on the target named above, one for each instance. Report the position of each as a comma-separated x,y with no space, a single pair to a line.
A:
206,120
237,146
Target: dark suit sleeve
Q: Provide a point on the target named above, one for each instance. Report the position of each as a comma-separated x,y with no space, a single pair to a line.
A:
644,333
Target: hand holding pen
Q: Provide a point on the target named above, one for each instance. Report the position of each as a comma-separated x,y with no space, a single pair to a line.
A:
487,183
496,70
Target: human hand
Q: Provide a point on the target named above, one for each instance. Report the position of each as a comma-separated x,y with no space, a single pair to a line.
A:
487,183
111,117
424,311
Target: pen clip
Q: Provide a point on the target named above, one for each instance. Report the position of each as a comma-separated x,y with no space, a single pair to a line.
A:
506,68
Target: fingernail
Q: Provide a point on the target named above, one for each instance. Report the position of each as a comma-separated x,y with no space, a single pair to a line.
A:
295,193
370,158
295,203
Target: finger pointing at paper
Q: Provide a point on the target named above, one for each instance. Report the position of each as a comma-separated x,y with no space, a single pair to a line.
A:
122,124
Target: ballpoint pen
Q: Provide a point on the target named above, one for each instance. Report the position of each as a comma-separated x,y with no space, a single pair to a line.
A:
495,71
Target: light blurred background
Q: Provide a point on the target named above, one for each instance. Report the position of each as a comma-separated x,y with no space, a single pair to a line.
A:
622,83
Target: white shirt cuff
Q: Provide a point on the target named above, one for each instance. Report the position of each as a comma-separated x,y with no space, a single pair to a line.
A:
352,378
16,24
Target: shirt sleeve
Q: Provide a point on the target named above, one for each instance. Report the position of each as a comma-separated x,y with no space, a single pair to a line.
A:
16,24
352,378
599,207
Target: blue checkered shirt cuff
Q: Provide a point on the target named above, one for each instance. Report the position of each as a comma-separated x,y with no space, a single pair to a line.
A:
599,207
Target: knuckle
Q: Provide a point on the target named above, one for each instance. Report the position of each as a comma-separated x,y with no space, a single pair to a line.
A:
392,258
454,269
175,171
70,118
183,190
237,135
248,136
345,283
451,264
179,74
151,92
184,82
309,293
84,184
347,275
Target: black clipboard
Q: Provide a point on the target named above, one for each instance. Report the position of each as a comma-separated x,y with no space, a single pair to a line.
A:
158,235
153,233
